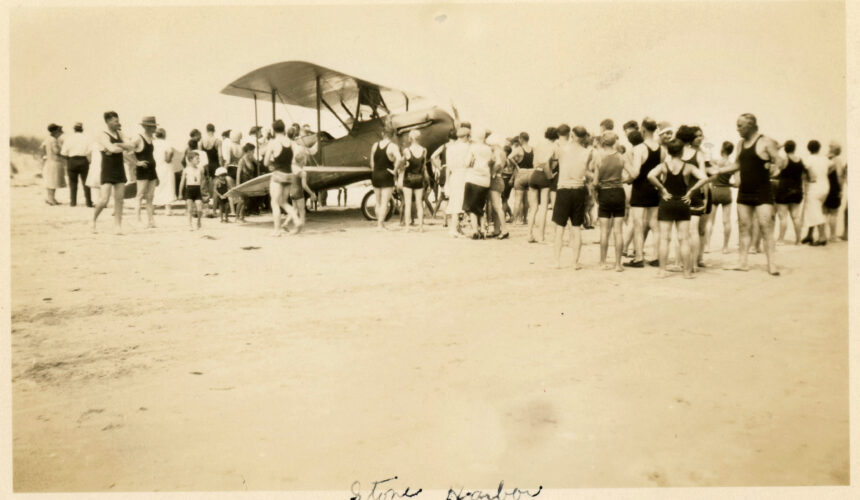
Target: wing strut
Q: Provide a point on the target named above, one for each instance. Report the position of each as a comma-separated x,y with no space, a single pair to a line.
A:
335,114
273,105
319,123
347,111
257,135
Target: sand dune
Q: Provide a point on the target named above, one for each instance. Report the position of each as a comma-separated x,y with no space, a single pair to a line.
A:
229,360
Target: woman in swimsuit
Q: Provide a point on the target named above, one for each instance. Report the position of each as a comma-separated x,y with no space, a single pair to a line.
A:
145,169
721,191
834,194
539,184
698,201
414,178
672,179
384,160
279,159
498,184
789,193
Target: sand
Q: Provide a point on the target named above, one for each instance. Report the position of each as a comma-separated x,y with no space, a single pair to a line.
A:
225,359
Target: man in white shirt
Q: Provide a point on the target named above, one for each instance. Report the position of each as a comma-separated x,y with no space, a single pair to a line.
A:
76,150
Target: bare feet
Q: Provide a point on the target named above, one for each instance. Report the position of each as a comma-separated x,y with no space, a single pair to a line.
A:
688,276
604,266
577,266
662,273
619,268
737,267
726,250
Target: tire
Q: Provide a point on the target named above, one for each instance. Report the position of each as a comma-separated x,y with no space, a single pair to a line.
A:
368,207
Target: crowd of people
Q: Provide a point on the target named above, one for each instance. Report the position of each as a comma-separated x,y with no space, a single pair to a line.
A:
665,181
201,173
652,180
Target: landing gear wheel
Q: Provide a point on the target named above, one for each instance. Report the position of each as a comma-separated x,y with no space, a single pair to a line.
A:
368,207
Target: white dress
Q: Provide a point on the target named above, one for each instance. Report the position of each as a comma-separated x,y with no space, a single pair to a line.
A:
94,176
165,192
54,168
817,192
456,155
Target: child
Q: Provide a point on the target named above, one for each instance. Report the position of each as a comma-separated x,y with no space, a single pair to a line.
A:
222,185
189,186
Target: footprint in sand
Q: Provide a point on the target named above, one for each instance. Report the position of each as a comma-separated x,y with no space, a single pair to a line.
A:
659,478
87,414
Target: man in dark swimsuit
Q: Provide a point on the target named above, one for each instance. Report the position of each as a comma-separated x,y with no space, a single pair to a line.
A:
644,197
757,157
211,145
114,144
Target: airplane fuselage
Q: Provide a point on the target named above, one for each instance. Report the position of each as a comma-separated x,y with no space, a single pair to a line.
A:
353,150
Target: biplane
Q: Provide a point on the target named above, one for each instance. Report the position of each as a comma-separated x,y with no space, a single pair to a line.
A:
360,107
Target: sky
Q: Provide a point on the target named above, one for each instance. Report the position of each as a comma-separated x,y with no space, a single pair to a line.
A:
507,67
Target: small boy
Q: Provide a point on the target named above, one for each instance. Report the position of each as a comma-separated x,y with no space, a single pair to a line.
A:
189,186
222,184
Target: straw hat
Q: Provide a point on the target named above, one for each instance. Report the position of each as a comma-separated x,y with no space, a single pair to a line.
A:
148,121
220,171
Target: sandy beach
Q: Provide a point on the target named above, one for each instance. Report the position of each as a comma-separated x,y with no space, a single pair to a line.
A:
225,359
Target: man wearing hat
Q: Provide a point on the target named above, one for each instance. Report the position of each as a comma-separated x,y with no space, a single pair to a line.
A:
76,149
53,168
147,178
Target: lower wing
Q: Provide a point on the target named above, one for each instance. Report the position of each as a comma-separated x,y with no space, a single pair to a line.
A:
319,177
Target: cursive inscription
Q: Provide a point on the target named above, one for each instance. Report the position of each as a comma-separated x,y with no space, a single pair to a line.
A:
378,493
383,490
500,494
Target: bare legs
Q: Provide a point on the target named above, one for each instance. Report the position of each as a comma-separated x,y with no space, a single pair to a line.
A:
518,204
786,211
383,196
538,199
419,205
119,196
832,217
533,206
189,206
541,212
763,215
277,195
727,226
146,192
501,225
611,225
695,242
683,231
644,219
575,244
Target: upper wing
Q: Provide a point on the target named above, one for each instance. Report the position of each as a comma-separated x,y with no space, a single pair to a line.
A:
295,83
